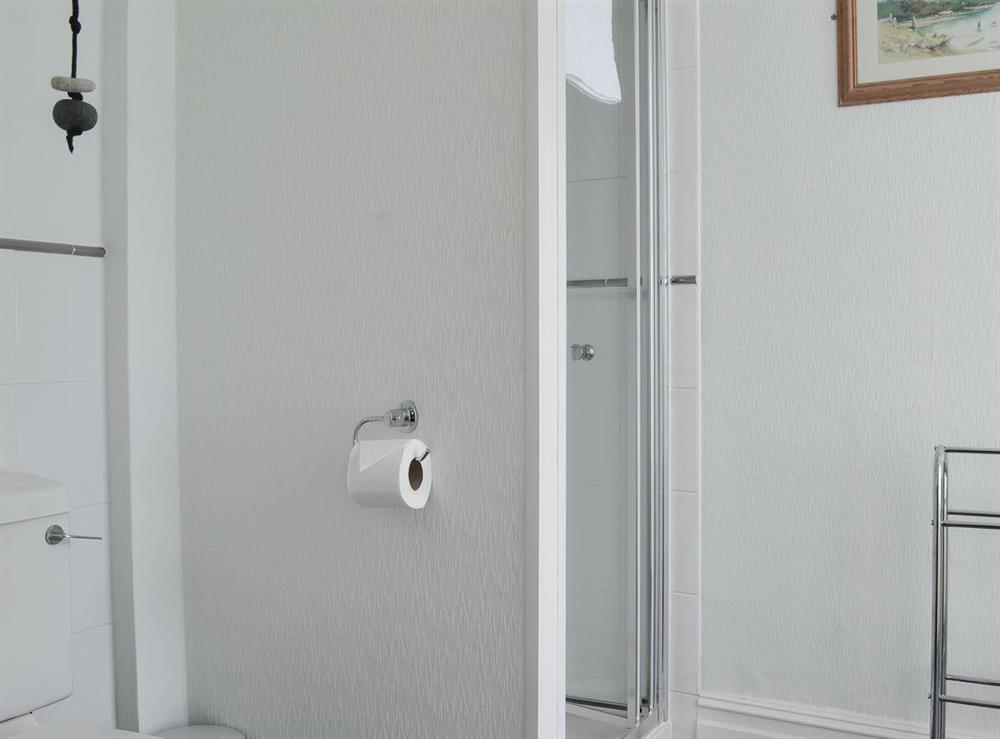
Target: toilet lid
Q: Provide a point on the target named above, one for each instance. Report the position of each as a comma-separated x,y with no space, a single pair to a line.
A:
63,730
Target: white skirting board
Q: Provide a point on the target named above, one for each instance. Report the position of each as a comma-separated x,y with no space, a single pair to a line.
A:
734,717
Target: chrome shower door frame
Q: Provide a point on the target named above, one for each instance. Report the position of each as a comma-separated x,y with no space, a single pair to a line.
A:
647,637
655,525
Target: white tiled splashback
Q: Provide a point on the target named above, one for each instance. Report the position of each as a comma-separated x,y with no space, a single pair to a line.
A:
52,423
684,376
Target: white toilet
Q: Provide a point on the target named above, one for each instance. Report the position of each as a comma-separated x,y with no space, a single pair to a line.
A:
35,651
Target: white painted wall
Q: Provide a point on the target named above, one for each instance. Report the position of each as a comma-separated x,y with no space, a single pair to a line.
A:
850,312
350,234
52,368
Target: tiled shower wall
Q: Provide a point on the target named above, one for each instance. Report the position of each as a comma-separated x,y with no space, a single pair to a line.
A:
599,180
684,375
52,368
597,407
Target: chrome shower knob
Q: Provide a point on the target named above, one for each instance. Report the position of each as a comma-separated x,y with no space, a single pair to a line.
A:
586,352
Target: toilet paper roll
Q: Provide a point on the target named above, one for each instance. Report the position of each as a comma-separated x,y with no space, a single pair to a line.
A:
390,473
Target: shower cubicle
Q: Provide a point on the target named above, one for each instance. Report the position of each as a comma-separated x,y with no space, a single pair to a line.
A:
615,651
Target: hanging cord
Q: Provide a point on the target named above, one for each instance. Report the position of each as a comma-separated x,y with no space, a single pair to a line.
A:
74,25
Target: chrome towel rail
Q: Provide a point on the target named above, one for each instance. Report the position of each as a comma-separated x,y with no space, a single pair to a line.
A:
48,247
600,282
946,519
623,281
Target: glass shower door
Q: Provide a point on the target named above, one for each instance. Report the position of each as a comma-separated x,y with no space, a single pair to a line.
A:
612,517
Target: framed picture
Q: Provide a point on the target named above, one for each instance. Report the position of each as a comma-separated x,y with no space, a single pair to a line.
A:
892,50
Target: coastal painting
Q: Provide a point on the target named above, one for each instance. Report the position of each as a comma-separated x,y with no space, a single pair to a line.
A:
922,29
890,50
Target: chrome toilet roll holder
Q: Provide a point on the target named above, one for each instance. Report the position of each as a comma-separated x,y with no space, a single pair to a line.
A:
404,418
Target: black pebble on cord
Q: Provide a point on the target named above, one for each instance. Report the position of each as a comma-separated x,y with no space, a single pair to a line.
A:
74,117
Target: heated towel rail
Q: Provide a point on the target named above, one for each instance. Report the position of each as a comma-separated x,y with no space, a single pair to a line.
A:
945,520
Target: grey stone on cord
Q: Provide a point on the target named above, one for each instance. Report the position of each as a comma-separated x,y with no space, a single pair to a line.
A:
73,84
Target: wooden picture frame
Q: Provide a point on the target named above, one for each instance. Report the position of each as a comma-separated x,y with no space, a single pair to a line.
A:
853,90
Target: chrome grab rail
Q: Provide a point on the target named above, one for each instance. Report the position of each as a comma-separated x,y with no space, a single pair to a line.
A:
944,521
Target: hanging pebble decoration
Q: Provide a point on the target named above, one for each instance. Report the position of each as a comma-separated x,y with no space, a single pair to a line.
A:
74,116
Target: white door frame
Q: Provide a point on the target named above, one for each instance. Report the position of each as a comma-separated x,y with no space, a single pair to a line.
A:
545,530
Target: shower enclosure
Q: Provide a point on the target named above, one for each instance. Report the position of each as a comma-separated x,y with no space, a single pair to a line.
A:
614,510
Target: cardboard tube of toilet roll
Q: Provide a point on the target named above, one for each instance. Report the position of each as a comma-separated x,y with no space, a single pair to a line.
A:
389,473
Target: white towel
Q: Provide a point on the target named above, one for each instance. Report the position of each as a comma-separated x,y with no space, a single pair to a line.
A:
590,50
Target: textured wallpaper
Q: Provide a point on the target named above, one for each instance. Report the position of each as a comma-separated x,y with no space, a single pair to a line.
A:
350,235
850,324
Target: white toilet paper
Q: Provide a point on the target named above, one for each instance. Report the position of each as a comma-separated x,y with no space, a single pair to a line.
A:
389,473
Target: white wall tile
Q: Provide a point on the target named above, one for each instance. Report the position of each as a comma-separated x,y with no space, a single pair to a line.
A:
684,643
593,138
684,542
60,318
8,315
685,431
596,435
598,316
93,699
683,715
8,426
682,33
664,319
594,228
594,533
685,368
91,576
682,120
683,222
595,635
684,229
61,435
52,325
